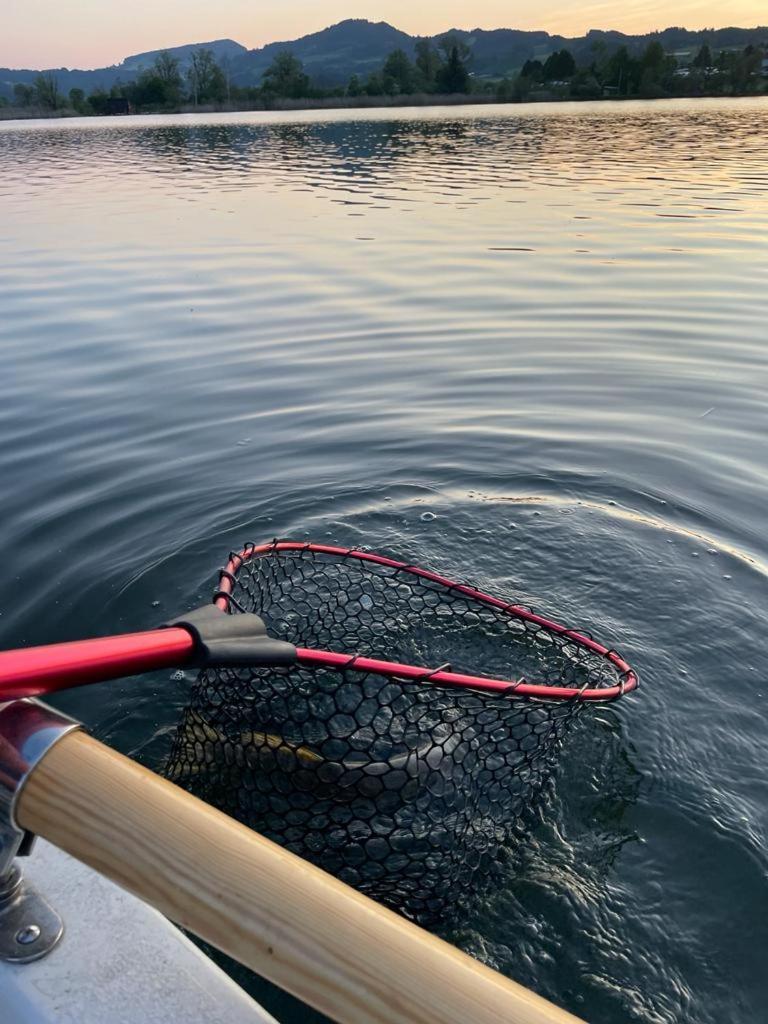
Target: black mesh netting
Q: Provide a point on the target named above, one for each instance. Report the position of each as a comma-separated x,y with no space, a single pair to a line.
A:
406,790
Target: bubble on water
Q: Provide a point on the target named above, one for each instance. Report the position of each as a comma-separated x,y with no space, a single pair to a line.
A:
427,517
177,676
711,551
727,577
155,604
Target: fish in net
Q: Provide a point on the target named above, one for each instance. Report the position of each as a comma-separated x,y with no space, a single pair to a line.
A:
402,780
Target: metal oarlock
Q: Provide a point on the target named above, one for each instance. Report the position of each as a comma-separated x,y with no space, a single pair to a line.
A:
29,927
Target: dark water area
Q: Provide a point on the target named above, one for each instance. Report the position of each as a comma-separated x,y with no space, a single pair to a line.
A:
523,346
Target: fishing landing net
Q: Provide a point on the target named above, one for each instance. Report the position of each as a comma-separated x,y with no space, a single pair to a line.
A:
380,754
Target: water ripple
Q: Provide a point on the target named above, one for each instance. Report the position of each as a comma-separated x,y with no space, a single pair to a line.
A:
524,345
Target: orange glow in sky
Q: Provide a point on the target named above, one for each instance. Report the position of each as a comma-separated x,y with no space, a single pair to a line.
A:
96,33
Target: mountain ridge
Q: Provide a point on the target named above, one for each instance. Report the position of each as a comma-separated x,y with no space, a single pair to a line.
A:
358,46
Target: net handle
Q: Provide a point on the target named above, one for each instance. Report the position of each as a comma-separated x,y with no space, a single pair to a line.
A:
34,671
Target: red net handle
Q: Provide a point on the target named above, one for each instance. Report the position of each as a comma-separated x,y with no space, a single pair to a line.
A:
523,688
34,671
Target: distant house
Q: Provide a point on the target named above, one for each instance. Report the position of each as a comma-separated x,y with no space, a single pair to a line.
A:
118,105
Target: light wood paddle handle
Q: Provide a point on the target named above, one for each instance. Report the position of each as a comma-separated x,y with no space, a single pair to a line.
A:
290,922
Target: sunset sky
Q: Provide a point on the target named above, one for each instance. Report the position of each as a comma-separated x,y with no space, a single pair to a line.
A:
95,33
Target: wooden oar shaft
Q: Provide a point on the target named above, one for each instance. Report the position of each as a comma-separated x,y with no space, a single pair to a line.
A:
292,923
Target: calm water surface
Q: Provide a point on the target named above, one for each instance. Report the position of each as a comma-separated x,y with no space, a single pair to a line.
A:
546,326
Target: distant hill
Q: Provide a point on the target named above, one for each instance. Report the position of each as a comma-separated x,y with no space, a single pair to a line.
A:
223,49
357,46
130,68
353,47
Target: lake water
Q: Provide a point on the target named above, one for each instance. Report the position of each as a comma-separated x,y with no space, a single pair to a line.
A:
546,326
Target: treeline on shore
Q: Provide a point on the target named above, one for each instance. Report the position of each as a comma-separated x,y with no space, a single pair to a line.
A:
437,71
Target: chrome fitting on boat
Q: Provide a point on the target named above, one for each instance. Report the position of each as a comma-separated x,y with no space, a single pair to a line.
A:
29,927
28,730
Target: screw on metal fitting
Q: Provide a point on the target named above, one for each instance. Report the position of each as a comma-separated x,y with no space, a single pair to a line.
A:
27,935
29,927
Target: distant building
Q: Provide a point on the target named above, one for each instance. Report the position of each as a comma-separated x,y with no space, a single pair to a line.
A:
118,105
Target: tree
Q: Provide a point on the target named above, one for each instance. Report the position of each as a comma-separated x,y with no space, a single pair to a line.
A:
453,77
23,95
77,100
47,91
285,77
584,85
161,85
374,85
504,90
621,71
746,69
451,41
398,73
147,91
206,80
354,88
724,62
655,71
534,70
167,72
427,64
166,67
654,56
226,70
559,66
567,64
703,58
98,101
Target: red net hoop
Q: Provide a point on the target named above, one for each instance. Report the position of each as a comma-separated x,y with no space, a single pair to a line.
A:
320,614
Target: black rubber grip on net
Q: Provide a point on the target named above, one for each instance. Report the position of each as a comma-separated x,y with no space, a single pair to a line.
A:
223,640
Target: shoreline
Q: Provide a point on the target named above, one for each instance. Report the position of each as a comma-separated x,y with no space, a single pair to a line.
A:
360,103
